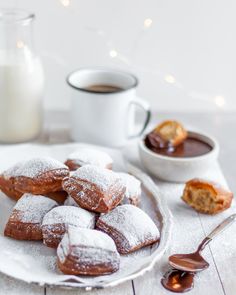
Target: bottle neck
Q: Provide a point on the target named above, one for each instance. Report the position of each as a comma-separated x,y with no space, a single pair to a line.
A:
16,34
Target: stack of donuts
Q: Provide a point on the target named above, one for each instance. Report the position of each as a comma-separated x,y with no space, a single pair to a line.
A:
82,208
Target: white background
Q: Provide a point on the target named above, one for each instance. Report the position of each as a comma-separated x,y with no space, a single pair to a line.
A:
183,54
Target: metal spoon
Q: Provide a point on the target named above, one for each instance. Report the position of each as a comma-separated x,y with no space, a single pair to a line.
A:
194,262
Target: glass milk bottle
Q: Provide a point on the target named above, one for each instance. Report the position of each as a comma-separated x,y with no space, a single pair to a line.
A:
21,79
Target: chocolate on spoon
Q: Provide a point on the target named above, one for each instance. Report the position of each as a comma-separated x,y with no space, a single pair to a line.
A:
192,262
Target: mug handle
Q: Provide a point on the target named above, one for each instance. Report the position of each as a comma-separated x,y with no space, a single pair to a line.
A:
141,103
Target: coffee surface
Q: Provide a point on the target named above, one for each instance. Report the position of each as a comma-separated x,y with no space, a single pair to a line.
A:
191,147
103,88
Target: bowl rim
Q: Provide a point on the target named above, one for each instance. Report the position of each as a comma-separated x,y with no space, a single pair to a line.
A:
195,134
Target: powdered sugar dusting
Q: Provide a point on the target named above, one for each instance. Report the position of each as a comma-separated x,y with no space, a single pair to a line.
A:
12,171
70,215
101,177
91,238
132,223
63,248
32,208
83,156
132,184
91,246
36,166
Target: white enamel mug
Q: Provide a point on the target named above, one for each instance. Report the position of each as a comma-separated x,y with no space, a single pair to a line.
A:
105,118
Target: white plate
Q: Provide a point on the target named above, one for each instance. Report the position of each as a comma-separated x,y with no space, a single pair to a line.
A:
33,262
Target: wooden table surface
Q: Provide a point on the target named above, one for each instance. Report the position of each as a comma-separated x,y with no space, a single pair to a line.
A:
189,228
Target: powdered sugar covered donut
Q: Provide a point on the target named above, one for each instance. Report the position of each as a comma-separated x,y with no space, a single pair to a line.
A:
40,176
94,188
57,220
84,156
133,189
130,227
87,252
26,218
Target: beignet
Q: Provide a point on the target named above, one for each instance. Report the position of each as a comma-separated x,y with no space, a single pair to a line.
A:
94,188
84,156
133,189
40,176
7,185
26,217
172,131
206,196
166,135
130,228
56,221
87,252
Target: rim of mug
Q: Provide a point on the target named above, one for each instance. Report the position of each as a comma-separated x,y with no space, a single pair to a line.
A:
107,69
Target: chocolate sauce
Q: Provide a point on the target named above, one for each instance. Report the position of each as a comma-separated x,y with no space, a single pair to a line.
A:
178,281
191,147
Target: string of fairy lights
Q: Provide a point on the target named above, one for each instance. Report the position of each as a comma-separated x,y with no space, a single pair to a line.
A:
218,100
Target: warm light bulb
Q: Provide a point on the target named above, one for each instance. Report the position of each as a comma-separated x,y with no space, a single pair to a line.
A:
65,3
113,53
20,44
219,101
147,22
170,79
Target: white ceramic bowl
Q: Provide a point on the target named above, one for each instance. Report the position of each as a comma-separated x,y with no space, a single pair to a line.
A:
179,169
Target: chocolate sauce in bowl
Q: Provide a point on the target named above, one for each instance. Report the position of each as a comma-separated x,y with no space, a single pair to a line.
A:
191,147
178,281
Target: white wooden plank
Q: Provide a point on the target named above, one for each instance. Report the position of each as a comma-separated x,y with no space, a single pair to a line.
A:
124,289
9,286
187,233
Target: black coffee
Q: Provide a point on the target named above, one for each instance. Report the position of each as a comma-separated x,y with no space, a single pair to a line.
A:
103,88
